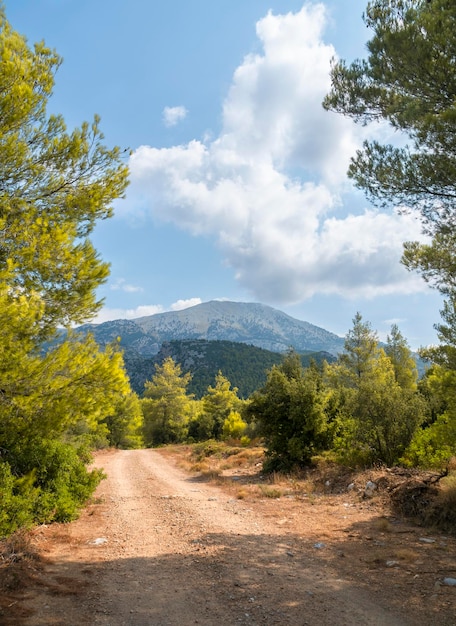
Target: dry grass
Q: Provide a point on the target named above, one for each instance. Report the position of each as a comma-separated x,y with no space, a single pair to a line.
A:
269,492
405,492
383,525
16,548
212,473
441,512
18,561
407,555
242,494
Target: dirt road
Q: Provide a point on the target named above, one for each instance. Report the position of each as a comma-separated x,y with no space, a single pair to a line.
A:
162,548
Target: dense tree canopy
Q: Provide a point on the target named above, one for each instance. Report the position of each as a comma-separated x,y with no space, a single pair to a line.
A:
219,401
375,404
400,355
290,410
409,81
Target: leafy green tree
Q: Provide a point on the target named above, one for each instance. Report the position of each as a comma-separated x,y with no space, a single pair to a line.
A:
409,81
401,357
290,411
386,414
54,186
125,422
360,351
234,426
374,415
166,405
201,426
43,395
435,444
445,353
218,403
435,261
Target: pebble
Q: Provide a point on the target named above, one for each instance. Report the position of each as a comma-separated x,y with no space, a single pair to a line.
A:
99,541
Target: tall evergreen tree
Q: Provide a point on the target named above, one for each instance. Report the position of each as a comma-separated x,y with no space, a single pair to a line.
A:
400,355
374,414
360,351
219,401
166,405
55,185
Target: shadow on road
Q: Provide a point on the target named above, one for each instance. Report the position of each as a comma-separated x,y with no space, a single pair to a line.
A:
222,580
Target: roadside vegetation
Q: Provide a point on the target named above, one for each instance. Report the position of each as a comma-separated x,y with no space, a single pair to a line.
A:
57,399
368,409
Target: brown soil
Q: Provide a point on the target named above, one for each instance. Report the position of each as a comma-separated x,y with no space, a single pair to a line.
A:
164,547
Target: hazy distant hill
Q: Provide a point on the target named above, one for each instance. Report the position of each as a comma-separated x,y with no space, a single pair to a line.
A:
255,324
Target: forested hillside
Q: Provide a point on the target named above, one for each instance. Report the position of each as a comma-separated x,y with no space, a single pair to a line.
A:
245,366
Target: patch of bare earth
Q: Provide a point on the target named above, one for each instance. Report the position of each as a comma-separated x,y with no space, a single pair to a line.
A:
162,546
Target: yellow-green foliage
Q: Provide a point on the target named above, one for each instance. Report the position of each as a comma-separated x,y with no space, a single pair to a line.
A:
234,426
166,406
55,186
124,424
435,443
376,407
218,403
53,485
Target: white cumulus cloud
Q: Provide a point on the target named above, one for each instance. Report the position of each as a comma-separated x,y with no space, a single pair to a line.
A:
107,314
271,187
173,115
185,304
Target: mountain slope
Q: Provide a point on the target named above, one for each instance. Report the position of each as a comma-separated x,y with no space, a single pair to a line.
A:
251,323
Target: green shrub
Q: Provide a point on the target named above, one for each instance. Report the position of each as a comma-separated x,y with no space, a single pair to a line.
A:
47,482
17,499
234,426
434,445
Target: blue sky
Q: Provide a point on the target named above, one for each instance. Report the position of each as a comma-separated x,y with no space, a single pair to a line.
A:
238,188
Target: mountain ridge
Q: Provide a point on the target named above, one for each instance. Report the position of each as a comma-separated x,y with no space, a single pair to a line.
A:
220,320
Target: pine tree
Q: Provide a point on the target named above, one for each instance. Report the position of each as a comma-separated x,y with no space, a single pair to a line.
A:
166,405
54,186
375,407
219,402
408,80
400,355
